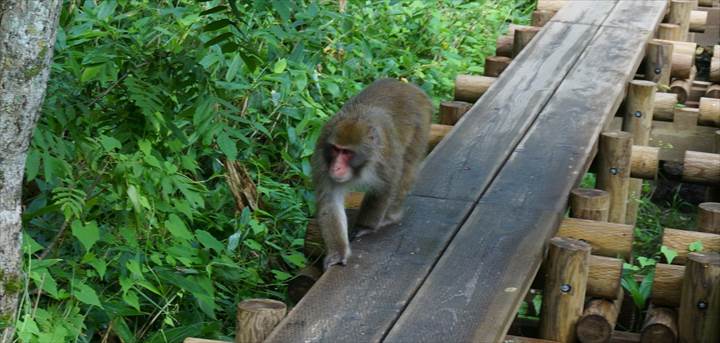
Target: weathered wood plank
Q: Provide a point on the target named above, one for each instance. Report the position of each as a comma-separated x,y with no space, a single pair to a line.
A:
503,239
458,168
359,302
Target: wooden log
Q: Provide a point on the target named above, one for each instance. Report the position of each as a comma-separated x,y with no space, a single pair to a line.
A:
598,320
680,14
668,31
256,318
697,91
613,175
606,239
683,58
551,5
625,337
709,220
664,108
644,162
680,240
452,111
682,89
437,133
522,38
605,273
698,20
660,326
686,118
591,204
639,105
701,167
658,63
494,65
709,112
667,284
715,64
518,339
504,45
299,285
470,87
699,311
541,17
713,92
566,276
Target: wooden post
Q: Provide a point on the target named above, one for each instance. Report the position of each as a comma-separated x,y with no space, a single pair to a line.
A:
256,318
709,112
587,203
437,133
701,167
667,284
680,14
551,5
669,32
683,58
638,118
665,106
698,20
566,269
709,218
713,92
682,87
541,17
452,111
613,173
302,282
660,326
680,240
658,63
504,45
700,299
494,65
470,87
523,36
598,320
715,64
606,239
644,162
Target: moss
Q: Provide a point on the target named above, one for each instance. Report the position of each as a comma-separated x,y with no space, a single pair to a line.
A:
5,320
12,285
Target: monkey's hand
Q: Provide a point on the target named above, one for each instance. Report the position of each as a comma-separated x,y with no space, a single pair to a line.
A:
335,256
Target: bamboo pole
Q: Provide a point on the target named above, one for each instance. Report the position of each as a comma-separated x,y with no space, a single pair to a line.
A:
566,269
256,318
613,173
699,312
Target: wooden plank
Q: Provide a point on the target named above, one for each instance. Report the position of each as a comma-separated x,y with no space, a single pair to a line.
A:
360,301
458,168
503,239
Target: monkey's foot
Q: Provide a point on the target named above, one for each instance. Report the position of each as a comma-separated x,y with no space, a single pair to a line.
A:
334,258
364,231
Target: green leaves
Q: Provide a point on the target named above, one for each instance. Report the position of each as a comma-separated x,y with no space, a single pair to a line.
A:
177,228
668,253
87,234
86,294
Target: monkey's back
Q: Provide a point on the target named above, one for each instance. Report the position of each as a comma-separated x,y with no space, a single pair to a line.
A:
405,104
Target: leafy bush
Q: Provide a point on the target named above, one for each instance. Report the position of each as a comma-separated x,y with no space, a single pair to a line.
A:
132,232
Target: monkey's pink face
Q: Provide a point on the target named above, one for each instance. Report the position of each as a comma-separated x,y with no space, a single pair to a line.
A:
340,168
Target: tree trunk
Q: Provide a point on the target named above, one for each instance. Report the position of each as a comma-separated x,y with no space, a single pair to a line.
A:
27,38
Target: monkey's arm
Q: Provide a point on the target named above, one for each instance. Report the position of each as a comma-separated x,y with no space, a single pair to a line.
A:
333,226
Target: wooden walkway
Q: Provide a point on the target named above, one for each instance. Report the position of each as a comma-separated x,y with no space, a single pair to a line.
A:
489,196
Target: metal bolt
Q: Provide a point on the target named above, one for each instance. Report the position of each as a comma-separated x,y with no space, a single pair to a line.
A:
637,114
701,305
614,171
565,288
658,70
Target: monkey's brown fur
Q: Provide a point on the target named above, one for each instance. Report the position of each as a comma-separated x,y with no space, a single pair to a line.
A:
385,128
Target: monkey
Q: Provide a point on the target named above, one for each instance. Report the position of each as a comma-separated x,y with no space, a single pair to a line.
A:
375,142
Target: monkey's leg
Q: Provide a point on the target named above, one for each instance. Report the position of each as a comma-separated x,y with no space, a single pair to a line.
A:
372,212
333,226
396,208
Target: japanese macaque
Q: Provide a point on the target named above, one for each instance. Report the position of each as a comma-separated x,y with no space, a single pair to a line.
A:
375,142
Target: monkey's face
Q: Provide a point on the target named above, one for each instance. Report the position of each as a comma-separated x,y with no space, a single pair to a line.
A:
344,162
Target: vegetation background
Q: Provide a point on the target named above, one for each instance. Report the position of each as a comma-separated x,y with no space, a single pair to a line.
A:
132,230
